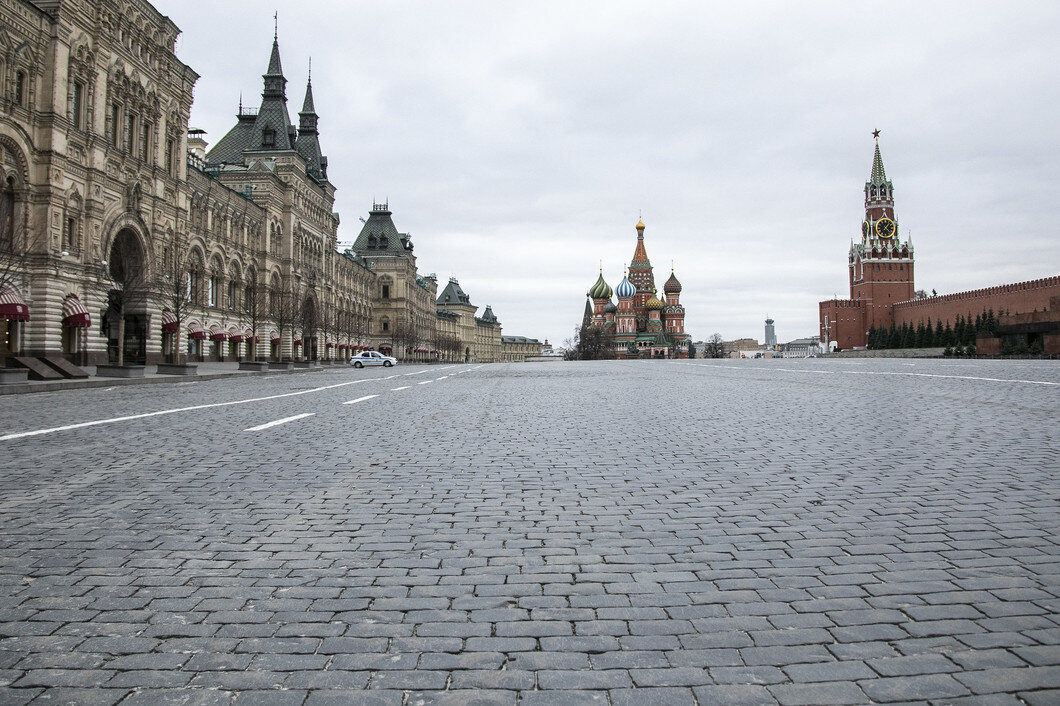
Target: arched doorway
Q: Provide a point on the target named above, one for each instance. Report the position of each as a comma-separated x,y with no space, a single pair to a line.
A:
126,317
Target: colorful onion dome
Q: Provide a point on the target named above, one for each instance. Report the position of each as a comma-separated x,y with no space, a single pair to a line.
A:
672,286
640,224
625,289
610,307
600,290
654,303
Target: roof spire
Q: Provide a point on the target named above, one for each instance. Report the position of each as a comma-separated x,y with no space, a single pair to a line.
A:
275,25
878,176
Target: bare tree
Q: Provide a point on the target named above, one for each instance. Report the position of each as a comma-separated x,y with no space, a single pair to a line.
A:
129,284
308,321
326,324
172,286
283,306
713,348
254,311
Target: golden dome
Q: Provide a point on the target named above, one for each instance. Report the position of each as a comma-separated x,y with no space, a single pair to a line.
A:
640,224
653,302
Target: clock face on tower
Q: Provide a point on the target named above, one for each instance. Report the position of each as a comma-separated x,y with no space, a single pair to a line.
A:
885,228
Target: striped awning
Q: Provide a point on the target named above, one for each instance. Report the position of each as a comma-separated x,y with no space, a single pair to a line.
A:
196,331
329,344
75,315
248,335
234,335
169,322
12,306
217,333
296,342
274,337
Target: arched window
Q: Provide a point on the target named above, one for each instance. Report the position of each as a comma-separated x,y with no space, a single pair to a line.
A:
7,215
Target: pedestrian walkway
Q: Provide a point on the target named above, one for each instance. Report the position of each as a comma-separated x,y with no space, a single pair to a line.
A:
204,371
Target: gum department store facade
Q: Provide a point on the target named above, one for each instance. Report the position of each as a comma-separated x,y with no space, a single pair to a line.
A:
97,168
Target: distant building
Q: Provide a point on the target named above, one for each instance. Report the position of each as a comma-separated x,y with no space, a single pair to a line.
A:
740,344
800,348
516,349
476,339
771,334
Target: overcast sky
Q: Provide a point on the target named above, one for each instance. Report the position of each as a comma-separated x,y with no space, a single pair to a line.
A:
519,142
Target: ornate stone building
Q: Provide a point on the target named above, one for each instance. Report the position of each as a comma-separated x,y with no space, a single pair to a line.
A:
641,325
478,337
403,318
93,116
263,235
123,238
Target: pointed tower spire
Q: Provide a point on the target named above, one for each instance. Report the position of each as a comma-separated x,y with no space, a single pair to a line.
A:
275,83
878,176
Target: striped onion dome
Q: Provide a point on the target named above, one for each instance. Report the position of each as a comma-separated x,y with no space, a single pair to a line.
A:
625,289
672,286
600,290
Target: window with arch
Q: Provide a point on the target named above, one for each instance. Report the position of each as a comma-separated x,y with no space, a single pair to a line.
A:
20,87
7,215
77,105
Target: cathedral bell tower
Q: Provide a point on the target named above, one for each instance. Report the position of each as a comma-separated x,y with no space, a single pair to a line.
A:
881,265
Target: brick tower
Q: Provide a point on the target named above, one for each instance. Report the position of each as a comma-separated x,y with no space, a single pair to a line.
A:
881,268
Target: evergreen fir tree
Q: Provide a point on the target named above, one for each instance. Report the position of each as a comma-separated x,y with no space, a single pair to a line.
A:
939,340
920,336
929,335
894,337
908,336
947,335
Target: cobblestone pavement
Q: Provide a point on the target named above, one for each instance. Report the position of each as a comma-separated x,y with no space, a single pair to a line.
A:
711,532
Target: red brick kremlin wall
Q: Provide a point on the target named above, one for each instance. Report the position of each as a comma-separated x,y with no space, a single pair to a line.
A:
1017,298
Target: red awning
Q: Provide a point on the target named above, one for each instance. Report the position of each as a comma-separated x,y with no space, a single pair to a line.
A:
217,333
329,344
75,315
12,306
296,342
169,322
196,331
274,337
234,335
248,335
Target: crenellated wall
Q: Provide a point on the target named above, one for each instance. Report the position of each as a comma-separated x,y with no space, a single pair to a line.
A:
1016,298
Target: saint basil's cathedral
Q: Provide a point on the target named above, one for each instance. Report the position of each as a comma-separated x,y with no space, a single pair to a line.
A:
640,324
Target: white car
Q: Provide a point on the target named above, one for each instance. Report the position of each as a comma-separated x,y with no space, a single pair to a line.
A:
372,358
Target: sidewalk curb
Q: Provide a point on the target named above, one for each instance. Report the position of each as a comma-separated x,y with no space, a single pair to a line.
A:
31,387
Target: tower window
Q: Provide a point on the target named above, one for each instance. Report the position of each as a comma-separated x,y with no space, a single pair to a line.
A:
20,87
76,107
145,135
130,132
268,138
115,116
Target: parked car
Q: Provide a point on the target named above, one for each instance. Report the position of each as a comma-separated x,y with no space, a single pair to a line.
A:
372,358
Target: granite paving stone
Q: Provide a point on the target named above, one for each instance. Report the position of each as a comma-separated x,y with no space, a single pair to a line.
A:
512,535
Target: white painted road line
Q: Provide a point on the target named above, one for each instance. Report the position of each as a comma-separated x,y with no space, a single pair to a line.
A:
418,372
875,372
441,378
425,382
404,387
360,399
97,422
280,421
